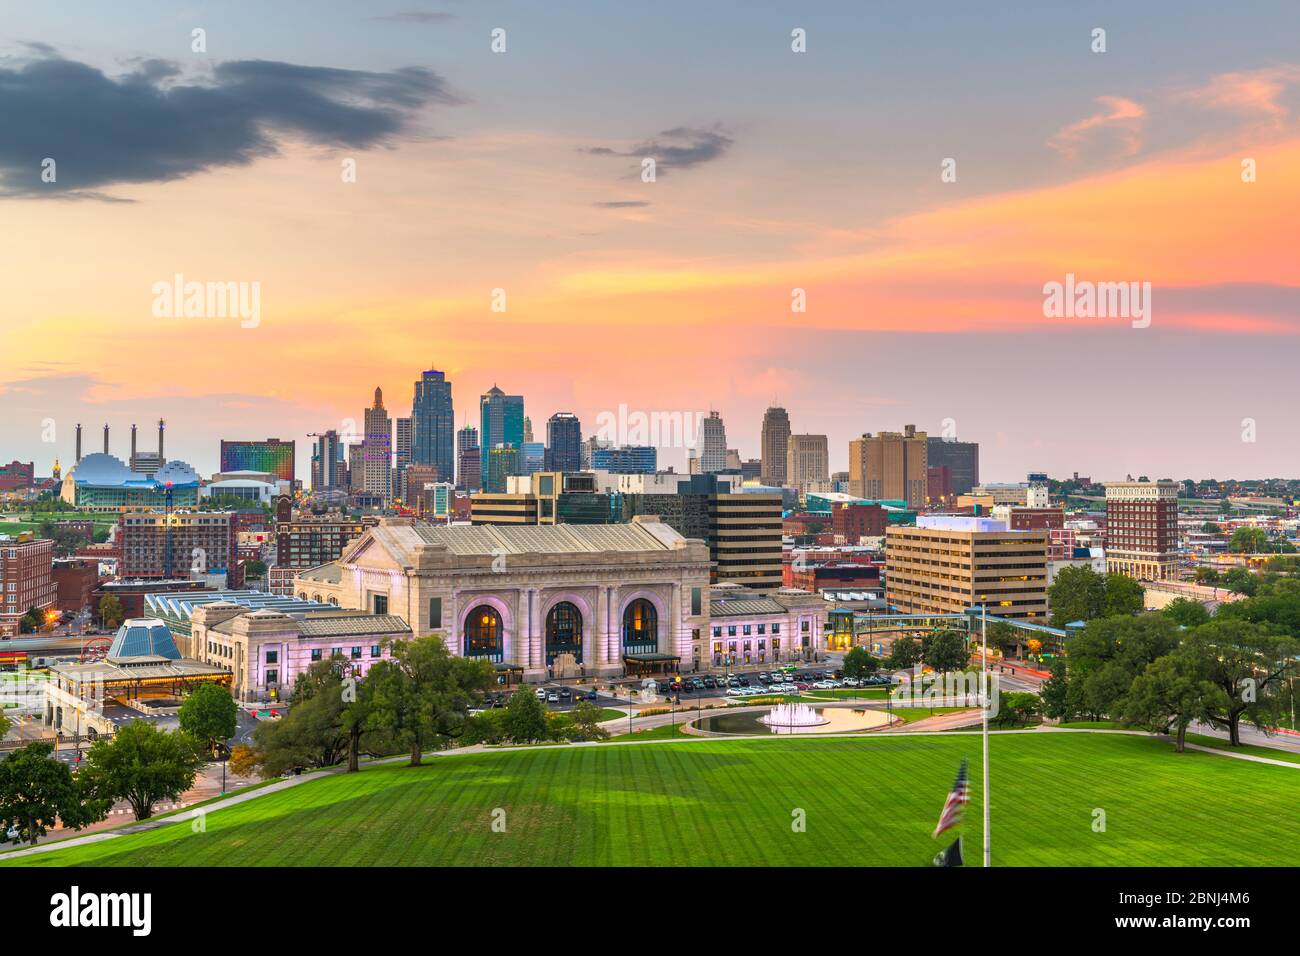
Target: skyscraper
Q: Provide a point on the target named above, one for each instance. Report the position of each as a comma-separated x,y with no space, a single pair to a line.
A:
775,446
808,463
501,422
711,444
563,442
890,466
1142,529
327,461
466,441
401,456
432,424
378,450
962,459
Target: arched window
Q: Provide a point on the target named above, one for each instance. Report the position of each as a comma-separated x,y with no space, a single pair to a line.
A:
334,601
563,632
640,628
484,635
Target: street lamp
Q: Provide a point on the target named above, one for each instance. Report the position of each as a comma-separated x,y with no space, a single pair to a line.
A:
984,719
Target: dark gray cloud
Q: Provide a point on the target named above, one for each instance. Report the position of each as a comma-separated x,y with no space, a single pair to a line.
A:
148,125
678,148
415,16
621,204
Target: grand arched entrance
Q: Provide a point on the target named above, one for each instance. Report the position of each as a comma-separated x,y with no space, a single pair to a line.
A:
640,628
485,634
563,632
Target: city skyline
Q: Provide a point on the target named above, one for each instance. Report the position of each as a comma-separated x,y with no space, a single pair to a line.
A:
819,172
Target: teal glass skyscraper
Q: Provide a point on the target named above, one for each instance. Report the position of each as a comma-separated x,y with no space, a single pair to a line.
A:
433,423
501,422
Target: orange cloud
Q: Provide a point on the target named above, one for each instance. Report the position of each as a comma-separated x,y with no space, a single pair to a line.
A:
1123,116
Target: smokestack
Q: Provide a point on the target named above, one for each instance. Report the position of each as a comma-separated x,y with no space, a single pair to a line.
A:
131,463
78,441
105,438
161,460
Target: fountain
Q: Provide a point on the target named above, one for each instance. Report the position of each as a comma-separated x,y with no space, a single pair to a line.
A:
793,716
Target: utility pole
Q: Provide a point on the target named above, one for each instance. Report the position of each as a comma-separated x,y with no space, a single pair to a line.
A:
984,714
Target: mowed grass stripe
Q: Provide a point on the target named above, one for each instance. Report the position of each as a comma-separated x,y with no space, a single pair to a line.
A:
869,801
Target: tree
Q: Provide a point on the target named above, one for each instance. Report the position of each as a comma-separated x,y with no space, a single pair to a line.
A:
1056,692
945,650
36,791
1017,707
1248,540
1107,655
586,722
904,653
31,621
1186,612
111,613
1170,694
244,760
1124,595
1077,594
1241,581
859,663
1205,575
312,734
142,765
208,714
254,569
525,717
1004,636
1248,662
422,695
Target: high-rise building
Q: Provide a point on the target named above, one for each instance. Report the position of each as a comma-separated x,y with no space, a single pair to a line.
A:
1142,529
378,450
401,455
745,539
182,544
711,444
532,457
590,447
626,460
563,442
501,422
775,446
469,460
528,428
306,542
961,458
357,467
503,461
947,564
272,456
890,465
432,424
26,580
808,464
328,462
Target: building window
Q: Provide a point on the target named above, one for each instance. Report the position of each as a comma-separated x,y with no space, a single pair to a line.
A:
379,604
273,677
356,653
776,628
435,612
697,600
375,650
272,657
717,632
563,632
640,628
484,634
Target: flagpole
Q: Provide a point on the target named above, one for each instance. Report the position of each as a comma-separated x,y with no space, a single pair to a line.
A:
984,711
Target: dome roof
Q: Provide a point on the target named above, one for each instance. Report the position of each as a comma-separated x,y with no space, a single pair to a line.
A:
102,469
178,473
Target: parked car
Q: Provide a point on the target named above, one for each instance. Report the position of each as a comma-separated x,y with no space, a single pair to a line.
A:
697,683
802,685
823,685
710,683
742,681
765,678
591,695
541,694
565,693
552,698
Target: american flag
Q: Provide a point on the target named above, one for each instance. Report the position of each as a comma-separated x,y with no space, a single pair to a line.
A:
957,798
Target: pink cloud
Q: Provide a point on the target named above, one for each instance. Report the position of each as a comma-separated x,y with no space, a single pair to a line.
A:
1119,114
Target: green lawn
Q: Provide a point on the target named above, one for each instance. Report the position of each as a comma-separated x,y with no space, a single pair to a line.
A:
666,732
911,715
868,801
1254,750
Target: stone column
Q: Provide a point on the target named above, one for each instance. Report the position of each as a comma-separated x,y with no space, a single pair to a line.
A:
678,643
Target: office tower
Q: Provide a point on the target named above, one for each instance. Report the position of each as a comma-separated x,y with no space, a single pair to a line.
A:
306,542
401,455
432,424
528,428
378,453
961,458
711,444
1142,529
947,564
808,463
563,442
532,457
745,539
627,460
272,456
503,461
501,422
891,466
469,460
589,449
328,461
357,467
775,446
181,544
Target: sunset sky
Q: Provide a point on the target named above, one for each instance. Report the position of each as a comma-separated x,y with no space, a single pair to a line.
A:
776,170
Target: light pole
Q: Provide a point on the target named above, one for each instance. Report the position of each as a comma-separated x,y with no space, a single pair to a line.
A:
984,720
